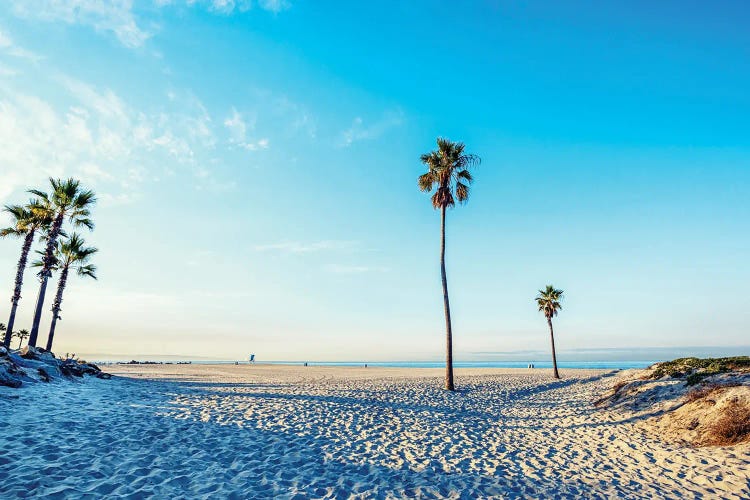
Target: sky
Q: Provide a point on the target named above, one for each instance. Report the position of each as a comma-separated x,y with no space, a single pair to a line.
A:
256,161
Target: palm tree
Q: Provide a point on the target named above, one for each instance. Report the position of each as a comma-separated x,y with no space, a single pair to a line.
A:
71,253
27,220
21,335
67,200
548,301
448,174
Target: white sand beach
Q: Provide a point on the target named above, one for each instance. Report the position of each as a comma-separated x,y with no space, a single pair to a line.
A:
218,431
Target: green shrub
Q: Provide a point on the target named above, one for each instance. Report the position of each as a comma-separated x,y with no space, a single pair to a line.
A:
696,369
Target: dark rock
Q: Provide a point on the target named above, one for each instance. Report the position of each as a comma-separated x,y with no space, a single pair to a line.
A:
33,364
43,374
9,375
29,352
71,369
8,381
94,367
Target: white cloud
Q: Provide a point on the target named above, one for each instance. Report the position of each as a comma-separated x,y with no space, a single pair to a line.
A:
7,71
228,6
94,134
110,16
297,247
104,103
274,5
231,6
8,46
359,131
299,117
340,269
255,146
238,128
5,41
116,17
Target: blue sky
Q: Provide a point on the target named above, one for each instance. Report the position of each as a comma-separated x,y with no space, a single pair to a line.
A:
256,164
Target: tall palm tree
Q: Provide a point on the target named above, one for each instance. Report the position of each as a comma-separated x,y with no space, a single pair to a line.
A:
448,174
71,253
548,301
68,201
27,220
21,335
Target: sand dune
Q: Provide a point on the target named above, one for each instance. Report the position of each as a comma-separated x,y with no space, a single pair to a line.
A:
292,432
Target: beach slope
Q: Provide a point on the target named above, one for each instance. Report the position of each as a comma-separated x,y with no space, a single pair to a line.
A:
286,432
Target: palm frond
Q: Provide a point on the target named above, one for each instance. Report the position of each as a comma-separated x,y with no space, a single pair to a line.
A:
548,301
462,192
465,175
426,181
88,271
11,231
85,222
84,199
73,253
447,173
39,194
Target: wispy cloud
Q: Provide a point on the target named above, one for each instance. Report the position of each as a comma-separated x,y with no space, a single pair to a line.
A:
361,130
274,5
238,129
93,133
8,46
342,269
231,6
300,118
114,16
297,247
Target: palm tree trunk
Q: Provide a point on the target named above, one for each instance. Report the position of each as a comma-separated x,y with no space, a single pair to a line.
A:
20,341
56,306
28,240
554,357
46,272
38,312
448,331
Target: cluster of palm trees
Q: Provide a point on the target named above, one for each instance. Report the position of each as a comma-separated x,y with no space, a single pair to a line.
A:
448,179
21,335
46,216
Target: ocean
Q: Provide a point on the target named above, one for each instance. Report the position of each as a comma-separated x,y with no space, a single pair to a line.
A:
597,365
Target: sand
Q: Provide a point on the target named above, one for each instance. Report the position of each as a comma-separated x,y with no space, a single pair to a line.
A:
201,431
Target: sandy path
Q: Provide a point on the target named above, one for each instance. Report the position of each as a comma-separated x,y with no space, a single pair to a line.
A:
281,431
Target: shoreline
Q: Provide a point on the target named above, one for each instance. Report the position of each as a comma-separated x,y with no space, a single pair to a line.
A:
575,365
256,371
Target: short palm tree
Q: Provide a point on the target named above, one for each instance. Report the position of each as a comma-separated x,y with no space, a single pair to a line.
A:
448,175
21,335
548,301
67,200
71,253
27,221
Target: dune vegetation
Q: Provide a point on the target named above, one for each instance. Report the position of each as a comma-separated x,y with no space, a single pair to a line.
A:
694,370
693,401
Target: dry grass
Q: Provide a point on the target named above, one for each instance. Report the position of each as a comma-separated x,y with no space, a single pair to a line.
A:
619,385
707,390
615,393
732,427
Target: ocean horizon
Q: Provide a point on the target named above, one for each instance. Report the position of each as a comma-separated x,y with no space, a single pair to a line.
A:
594,365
